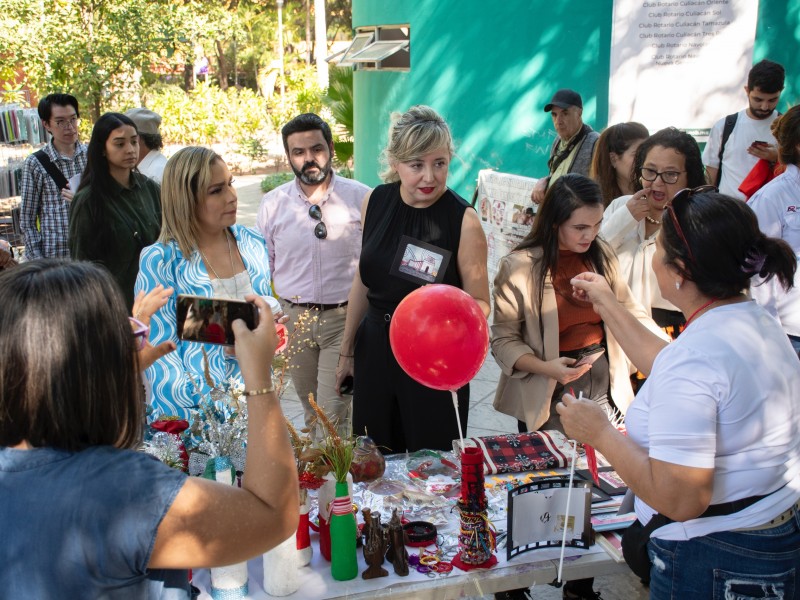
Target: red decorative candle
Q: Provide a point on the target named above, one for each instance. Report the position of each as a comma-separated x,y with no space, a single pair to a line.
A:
472,491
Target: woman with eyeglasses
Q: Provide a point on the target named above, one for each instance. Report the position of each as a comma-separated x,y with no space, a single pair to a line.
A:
83,513
201,252
713,446
117,210
416,231
667,161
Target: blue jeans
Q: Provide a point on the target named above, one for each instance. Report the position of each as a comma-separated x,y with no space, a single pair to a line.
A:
730,565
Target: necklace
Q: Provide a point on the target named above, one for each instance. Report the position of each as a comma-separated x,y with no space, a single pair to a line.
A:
652,220
230,257
694,314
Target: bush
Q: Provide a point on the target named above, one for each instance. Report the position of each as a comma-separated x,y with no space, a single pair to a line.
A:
208,114
270,182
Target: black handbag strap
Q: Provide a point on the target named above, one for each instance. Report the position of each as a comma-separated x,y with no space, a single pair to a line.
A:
56,175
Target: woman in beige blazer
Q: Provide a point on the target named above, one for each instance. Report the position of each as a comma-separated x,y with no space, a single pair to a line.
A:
540,330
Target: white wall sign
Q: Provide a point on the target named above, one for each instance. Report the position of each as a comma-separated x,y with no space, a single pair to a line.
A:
680,62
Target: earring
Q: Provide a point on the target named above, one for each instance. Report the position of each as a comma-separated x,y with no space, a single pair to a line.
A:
677,285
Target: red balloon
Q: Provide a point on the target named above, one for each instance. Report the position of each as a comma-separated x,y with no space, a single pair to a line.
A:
439,336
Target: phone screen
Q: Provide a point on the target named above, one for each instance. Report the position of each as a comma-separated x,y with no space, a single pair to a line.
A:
588,359
208,320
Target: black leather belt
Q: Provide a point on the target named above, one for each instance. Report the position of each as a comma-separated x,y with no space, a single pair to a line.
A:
320,307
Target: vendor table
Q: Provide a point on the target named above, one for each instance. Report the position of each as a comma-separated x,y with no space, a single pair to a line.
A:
539,566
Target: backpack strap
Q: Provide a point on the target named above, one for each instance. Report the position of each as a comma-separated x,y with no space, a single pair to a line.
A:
730,123
55,173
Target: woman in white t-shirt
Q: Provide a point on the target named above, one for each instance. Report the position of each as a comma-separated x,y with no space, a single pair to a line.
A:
713,451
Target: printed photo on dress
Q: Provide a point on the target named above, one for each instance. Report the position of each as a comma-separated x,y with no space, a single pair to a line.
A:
420,262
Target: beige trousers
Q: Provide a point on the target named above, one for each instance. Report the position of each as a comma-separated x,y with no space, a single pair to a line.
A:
313,355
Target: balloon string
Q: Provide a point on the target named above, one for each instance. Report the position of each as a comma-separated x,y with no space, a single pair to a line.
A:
566,515
458,418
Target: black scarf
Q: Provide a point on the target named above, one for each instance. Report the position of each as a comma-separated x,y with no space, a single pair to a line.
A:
560,157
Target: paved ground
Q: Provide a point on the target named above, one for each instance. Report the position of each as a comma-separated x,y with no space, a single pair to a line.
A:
483,419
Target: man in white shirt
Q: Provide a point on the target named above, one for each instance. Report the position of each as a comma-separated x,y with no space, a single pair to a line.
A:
729,158
312,226
151,161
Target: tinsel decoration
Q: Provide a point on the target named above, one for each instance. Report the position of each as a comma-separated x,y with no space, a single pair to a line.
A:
166,448
476,538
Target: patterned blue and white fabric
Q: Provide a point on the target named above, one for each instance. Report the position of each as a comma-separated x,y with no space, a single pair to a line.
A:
177,379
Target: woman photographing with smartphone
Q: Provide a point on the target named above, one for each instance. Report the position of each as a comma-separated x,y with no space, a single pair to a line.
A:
201,252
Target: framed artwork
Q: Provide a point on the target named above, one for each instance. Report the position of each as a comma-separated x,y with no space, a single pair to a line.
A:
420,262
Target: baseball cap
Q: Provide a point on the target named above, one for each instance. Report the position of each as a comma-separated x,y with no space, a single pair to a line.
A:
147,121
564,99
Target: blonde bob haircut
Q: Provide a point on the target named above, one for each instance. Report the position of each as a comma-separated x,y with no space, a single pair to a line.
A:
187,176
413,134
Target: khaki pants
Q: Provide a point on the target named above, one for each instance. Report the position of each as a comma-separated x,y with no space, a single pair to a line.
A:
313,355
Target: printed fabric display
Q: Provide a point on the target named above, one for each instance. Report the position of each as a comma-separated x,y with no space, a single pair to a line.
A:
518,452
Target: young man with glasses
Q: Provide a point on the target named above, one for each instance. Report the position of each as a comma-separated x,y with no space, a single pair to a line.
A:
312,226
45,188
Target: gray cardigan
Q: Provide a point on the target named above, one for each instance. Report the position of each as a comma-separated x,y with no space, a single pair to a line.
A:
583,158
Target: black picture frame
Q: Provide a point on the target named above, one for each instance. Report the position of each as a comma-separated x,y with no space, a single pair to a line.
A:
610,483
419,261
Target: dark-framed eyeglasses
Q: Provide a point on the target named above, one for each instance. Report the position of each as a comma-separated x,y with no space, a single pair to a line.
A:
666,176
683,196
67,123
320,231
140,332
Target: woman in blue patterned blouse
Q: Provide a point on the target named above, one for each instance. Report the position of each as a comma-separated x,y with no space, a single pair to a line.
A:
202,252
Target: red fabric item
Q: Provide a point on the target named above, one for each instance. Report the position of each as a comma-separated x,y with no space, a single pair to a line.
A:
175,427
325,539
471,475
518,452
457,562
303,536
758,176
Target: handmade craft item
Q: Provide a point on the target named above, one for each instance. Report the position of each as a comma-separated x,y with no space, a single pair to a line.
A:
368,462
375,545
397,553
174,427
337,453
282,569
226,582
476,540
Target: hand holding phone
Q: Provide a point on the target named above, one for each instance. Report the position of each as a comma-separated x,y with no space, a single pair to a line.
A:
208,320
760,143
588,358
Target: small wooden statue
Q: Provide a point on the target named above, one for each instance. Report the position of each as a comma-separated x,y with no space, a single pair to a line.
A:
397,553
375,545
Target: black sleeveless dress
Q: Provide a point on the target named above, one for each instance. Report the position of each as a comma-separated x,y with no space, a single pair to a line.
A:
396,411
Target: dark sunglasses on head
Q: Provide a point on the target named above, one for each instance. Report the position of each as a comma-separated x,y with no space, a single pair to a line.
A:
315,212
682,196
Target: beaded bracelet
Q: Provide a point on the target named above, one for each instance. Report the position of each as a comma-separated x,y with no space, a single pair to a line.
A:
261,392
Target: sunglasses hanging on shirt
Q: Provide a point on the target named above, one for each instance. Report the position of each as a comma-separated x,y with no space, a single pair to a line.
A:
320,231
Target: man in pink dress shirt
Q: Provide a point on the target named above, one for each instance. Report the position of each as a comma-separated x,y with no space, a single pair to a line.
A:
312,226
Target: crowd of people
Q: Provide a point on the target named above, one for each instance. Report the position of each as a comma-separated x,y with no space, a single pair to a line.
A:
637,278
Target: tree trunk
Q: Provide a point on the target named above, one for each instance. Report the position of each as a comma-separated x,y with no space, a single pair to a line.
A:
309,55
223,67
321,43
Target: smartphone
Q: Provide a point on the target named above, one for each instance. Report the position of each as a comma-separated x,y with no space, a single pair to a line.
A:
588,358
347,386
209,320
760,143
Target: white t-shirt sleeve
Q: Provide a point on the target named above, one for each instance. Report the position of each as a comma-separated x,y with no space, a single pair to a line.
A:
711,152
682,419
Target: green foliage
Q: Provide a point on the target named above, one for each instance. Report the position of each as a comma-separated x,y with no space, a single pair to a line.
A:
303,95
208,114
339,99
270,182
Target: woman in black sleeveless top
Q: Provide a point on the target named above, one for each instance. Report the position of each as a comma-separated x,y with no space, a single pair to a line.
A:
416,232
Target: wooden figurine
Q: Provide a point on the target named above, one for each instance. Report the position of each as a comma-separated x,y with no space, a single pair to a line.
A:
375,545
397,553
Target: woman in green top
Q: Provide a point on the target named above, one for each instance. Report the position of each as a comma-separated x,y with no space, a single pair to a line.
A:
116,211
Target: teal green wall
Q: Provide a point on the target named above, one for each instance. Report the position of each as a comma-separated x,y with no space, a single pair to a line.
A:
490,67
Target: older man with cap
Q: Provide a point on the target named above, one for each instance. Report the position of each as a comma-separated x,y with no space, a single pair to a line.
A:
151,161
572,149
